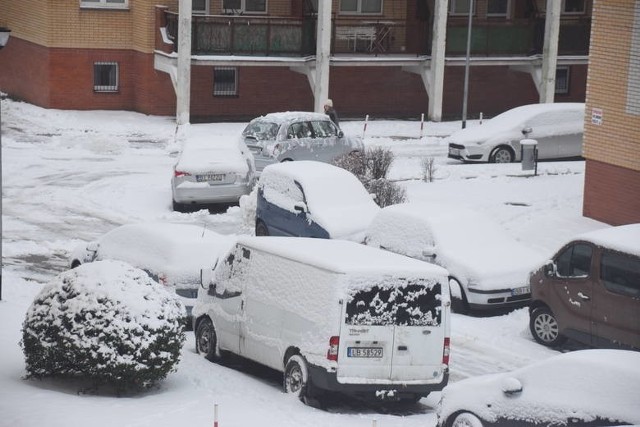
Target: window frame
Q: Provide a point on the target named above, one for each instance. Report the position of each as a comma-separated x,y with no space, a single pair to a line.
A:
107,88
104,4
358,10
563,91
226,93
243,8
572,247
582,12
452,8
205,11
506,14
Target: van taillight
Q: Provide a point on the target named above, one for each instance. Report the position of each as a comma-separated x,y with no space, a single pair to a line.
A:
332,353
445,351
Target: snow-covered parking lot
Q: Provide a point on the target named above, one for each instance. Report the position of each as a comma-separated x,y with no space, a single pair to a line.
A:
70,176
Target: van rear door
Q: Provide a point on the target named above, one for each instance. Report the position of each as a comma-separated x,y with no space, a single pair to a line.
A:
392,334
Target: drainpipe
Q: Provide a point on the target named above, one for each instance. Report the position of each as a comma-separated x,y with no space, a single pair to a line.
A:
323,55
183,93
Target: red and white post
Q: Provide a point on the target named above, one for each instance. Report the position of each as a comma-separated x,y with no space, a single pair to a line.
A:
215,415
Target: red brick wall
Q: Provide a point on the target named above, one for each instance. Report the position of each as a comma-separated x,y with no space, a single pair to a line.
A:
611,193
24,71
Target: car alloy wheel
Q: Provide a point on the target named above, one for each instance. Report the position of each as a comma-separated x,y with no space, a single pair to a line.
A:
502,155
544,327
466,419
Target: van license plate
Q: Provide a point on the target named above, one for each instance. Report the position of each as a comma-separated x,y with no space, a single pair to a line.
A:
216,177
521,291
372,352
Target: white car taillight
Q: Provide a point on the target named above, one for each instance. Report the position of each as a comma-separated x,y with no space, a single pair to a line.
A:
334,344
178,173
446,351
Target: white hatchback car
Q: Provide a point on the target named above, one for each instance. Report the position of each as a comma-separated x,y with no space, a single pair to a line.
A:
210,171
488,268
557,128
296,135
172,254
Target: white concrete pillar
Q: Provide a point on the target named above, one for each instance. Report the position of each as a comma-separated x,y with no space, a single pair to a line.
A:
550,51
323,55
183,92
438,47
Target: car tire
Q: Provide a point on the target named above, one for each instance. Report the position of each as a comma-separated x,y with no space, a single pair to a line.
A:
458,305
296,381
206,339
261,229
178,207
502,155
544,327
465,419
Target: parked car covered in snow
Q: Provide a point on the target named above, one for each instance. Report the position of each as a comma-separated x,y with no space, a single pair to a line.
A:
488,269
296,135
312,199
172,254
580,388
211,170
334,316
557,128
590,291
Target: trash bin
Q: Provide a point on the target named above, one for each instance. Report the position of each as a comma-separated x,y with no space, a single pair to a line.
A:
529,155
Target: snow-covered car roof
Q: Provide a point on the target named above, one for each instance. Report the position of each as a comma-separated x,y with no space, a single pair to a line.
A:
341,256
177,250
291,116
568,117
624,238
336,199
581,385
202,152
467,243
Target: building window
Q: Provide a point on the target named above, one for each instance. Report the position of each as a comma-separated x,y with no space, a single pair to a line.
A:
105,76
200,7
574,6
498,8
562,80
225,81
461,7
244,6
361,6
106,4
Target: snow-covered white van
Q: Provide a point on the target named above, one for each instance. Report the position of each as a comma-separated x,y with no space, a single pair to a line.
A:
332,315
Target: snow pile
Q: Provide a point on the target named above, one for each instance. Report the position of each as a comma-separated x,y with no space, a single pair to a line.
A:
107,322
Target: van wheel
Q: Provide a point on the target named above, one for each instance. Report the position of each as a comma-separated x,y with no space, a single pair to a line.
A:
459,303
544,327
206,339
296,381
502,155
466,419
261,229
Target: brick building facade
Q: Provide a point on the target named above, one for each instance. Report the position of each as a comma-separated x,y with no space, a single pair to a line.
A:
612,128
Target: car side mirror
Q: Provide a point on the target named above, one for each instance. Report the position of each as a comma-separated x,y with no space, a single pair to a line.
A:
300,207
206,277
429,253
526,131
212,290
511,386
550,269
340,134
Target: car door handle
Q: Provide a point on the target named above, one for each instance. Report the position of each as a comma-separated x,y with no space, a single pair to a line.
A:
402,347
426,332
584,297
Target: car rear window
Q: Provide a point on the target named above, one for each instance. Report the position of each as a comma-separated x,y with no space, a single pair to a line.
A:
262,131
416,304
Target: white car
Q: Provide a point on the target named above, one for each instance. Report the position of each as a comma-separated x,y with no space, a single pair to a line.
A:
210,170
580,388
297,135
557,128
488,268
172,254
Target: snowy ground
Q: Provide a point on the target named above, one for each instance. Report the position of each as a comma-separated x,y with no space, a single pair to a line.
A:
70,176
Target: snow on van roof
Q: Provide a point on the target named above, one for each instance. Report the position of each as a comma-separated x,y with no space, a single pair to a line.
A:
289,116
624,238
341,256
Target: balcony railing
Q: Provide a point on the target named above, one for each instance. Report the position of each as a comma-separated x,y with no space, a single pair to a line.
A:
281,36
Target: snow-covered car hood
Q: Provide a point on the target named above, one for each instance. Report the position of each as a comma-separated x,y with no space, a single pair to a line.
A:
581,384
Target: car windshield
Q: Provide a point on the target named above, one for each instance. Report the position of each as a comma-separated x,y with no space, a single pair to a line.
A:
261,130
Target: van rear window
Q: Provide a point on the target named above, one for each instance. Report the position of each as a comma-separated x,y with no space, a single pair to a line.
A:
411,305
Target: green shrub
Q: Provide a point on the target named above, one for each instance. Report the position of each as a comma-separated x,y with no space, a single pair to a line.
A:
107,322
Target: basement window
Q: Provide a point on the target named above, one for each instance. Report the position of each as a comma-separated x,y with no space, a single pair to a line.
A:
105,76
225,81
104,4
562,80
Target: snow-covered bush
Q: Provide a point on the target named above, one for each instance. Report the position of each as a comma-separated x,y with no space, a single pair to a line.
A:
371,168
107,322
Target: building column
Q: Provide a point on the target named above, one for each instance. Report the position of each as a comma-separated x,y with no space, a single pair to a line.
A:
323,55
183,89
438,47
550,51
